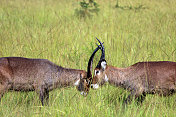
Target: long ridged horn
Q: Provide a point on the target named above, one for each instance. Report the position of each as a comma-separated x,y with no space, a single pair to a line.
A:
89,67
102,49
102,55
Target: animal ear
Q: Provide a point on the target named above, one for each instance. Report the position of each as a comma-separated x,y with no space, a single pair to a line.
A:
103,65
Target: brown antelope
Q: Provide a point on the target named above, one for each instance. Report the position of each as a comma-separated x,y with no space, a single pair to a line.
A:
140,79
41,75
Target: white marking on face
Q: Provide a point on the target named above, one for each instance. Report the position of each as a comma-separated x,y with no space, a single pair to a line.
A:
97,72
95,86
77,82
106,78
103,65
83,93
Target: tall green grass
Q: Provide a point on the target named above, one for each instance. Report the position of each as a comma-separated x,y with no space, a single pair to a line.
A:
49,29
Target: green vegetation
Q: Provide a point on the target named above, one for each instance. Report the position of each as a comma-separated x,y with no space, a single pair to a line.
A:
49,29
87,9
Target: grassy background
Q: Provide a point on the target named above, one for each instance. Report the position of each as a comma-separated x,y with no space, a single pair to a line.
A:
49,29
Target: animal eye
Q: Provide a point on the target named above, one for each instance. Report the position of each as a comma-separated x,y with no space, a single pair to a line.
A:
97,72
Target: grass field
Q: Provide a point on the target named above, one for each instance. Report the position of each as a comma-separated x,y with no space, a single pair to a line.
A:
49,29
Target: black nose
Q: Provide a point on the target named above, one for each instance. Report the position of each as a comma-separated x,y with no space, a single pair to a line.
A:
91,86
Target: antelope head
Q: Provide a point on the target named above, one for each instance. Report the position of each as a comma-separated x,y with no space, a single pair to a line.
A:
86,79
100,76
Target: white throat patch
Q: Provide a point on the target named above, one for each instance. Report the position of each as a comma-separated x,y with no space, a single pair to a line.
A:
106,78
83,93
95,86
77,82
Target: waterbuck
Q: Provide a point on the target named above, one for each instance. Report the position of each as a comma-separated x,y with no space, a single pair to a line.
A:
142,78
41,75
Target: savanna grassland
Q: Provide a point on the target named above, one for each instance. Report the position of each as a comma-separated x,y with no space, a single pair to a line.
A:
139,30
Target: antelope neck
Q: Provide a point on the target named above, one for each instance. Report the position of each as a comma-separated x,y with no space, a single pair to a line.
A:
72,77
116,76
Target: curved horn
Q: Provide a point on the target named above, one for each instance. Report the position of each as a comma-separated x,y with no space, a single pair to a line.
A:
102,49
102,55
89,67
